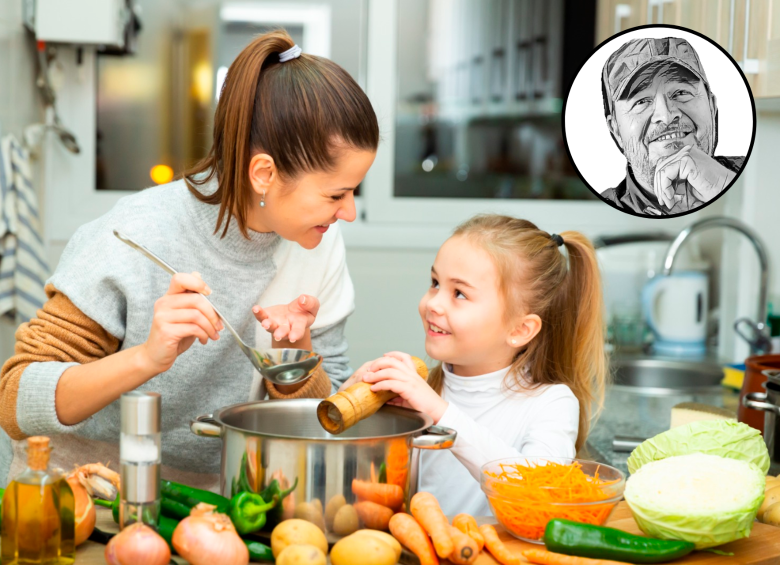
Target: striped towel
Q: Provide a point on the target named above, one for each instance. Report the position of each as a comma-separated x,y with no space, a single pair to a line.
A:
23,267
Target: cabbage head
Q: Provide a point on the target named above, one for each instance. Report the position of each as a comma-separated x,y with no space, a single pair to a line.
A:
726,438
705,499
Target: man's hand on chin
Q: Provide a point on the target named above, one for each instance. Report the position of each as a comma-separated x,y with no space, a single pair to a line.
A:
704,174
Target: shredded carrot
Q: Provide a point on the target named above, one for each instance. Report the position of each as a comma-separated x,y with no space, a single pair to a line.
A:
526,497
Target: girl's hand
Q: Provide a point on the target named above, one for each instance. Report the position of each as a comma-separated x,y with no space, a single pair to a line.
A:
180,317
357,376
289,321
396,372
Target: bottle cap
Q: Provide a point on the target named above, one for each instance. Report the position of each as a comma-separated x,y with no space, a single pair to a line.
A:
140,413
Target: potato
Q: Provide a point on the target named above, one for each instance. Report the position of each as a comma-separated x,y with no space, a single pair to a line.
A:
385,537
771,496
332,507
308,511
772,515
772,482
317,503
300,532
362,550
301,555
346,520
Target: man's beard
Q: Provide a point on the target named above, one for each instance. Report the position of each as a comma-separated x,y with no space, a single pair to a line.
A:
636,151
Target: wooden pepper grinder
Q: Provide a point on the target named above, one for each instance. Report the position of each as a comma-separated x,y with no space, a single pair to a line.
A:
344,409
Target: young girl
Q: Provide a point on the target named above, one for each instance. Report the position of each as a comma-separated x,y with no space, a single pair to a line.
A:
518,331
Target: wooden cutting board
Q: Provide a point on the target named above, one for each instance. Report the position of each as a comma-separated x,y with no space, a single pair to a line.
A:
761,548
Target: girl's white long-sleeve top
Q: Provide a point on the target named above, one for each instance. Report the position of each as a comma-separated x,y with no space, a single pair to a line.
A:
494,423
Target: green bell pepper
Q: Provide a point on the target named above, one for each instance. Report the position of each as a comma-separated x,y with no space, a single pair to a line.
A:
598,542
274,491
242,484
248,511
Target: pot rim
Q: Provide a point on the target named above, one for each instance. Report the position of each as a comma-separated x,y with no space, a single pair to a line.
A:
427,421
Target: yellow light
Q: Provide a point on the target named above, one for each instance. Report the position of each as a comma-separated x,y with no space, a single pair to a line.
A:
161,174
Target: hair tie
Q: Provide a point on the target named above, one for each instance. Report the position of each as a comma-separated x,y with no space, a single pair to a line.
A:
292,53
557,239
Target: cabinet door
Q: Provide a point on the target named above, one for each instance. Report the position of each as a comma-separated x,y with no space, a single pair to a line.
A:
614,16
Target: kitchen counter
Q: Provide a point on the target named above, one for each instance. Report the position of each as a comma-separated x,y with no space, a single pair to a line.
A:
628,413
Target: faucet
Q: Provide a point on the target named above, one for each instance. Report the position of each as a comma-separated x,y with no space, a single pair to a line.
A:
760,342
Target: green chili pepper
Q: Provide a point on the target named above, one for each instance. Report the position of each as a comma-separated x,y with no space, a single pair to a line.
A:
243,480
2,492
174,509
248,511
597,542
191,497
274,491
166,527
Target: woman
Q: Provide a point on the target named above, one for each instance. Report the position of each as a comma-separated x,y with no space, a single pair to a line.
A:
294,135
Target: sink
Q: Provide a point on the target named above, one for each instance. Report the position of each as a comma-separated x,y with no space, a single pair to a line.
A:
666,377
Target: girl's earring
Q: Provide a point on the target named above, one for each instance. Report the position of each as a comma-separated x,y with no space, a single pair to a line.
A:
262,200
514,342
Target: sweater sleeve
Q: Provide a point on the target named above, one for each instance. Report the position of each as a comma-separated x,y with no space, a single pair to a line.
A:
60,337
553,433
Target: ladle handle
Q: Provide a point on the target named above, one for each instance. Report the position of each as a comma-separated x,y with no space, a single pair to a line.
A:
170,270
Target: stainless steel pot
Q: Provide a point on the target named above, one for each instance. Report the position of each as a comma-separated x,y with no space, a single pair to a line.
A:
283,439
769,403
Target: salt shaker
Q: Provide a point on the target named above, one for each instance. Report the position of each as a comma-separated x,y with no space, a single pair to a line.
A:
140,458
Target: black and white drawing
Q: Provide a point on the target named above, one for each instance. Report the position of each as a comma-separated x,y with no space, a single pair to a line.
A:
662,113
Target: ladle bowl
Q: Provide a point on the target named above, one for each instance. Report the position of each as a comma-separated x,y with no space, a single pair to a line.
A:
280,366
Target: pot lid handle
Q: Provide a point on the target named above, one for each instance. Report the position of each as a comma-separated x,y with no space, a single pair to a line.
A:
435,437
756,401
205,426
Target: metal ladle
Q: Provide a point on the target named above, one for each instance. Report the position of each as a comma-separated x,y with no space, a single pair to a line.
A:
280,366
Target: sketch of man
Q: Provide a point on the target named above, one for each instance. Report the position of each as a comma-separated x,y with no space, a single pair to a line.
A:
664,118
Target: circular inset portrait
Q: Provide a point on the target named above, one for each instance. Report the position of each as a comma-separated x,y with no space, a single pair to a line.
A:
659,121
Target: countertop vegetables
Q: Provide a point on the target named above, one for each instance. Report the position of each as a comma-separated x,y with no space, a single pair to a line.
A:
362,550
295,531
713,437
247,511
468,525
525,496
191,497
586,540
137,543
549,558
426,510
300,554
705,499
409,532
769,512
497,548
207,537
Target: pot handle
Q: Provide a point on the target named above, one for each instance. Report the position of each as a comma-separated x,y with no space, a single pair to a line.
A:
435,437
756,401
205,426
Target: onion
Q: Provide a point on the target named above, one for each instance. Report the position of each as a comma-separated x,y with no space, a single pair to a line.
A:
209,538
85,514
137,543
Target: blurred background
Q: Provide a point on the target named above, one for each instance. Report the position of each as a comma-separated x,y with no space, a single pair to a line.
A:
107,97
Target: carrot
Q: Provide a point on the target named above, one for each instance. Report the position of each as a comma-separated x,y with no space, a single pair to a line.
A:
385,494
549,558
468,525
466,550
497,548
425,508
374,516
397,463
409,532
373,474
525,497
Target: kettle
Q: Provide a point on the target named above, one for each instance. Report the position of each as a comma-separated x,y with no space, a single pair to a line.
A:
675,308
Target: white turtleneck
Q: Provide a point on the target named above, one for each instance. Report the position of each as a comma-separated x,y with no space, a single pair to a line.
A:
494,423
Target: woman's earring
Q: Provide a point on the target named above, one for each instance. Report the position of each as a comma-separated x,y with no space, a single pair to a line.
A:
262,199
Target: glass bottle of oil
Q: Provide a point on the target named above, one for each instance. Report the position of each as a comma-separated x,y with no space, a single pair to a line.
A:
38,524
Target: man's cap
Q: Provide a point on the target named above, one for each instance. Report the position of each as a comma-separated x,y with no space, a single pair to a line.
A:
637,54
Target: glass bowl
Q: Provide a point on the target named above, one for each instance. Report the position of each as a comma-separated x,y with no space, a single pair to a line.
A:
524,510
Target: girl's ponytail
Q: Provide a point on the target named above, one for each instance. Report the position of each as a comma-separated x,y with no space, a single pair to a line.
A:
297,112
581,296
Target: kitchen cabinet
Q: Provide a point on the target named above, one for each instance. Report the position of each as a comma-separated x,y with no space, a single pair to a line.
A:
749,30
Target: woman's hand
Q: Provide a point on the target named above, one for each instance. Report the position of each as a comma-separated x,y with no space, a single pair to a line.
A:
396,372
289,321
180,317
